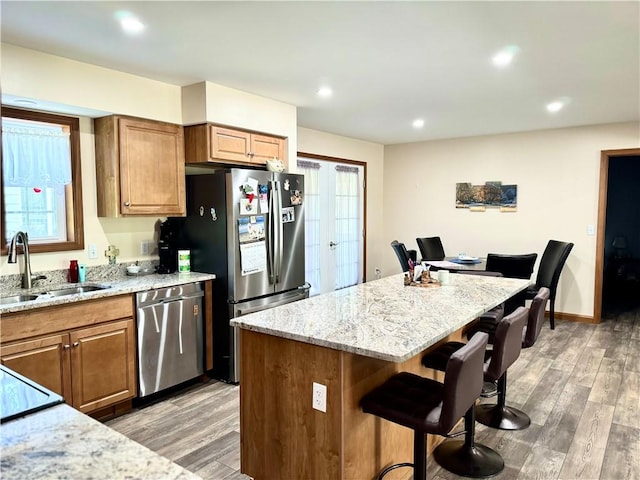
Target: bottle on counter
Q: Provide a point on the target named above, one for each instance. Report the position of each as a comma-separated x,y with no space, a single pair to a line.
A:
82,272
73,271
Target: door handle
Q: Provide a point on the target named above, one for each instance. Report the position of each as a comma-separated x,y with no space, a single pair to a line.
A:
333,244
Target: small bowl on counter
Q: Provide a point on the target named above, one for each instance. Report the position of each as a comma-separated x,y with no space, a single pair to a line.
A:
134,269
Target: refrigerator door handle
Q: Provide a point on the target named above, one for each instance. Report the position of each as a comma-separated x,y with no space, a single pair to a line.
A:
270,233
280,234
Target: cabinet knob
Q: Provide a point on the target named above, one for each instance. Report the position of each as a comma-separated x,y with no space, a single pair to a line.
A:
75,344
250,154
127,204
66,346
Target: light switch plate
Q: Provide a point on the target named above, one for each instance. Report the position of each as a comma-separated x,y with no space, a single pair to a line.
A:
93,250
591,230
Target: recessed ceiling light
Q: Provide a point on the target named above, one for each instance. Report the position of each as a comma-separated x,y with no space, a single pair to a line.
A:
505,56
129,22
558,104
325,92
554,107
418,123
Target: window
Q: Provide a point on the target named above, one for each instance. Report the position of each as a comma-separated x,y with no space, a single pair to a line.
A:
41,180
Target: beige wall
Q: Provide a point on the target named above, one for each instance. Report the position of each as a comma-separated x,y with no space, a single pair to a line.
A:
321,143
40,76
209,102
67,86
557,173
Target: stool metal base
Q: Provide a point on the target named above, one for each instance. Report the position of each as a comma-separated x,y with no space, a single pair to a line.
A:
476,461
502,417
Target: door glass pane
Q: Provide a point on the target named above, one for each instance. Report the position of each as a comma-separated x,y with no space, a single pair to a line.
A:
348,232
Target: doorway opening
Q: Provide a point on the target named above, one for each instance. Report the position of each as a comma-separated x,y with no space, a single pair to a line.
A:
617,282
335,213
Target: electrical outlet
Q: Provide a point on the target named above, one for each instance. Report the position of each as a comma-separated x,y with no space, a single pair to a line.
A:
93,250
144,247
378,274
319,401
591,230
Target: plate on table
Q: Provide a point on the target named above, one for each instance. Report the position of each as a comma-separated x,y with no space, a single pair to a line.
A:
466,259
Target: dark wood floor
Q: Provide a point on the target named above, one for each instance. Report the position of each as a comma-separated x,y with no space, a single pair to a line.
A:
580,384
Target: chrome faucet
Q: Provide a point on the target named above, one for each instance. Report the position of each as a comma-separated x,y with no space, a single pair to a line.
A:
27,277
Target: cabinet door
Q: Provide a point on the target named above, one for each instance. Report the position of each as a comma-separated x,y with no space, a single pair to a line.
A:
228,144
152,173
44,360
103,365
264,148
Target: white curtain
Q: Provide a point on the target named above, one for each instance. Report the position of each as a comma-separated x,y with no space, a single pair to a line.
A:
311,171
35,155
348,234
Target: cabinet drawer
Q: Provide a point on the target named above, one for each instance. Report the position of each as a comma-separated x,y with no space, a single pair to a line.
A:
47,320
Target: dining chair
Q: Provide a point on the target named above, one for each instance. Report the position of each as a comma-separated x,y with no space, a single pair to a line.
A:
430,248
512,266
551,264
403,255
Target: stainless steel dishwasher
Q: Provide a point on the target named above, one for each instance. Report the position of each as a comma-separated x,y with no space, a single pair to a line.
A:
170,336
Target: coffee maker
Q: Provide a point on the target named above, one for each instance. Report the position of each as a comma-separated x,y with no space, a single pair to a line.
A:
168,245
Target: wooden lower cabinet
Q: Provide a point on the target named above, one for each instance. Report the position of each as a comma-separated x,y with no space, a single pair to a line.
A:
103,365
44,360
91,366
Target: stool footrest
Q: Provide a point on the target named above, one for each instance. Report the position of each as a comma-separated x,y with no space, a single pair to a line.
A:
393,467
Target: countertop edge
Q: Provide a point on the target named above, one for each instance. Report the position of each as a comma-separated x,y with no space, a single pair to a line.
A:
122,286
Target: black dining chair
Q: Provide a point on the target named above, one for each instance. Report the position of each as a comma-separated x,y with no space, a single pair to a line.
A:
431,248
551,264
512,266
404,255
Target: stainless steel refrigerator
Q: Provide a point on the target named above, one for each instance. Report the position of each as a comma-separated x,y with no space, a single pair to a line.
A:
246,227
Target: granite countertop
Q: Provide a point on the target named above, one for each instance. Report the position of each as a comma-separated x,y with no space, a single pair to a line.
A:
384,319
115,286
61,442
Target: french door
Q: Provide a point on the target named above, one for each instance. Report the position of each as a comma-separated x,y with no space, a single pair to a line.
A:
334,223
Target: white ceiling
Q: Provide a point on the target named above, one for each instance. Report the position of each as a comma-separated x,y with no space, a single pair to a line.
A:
387,62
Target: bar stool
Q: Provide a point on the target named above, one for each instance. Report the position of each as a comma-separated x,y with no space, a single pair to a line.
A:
428,406
507,344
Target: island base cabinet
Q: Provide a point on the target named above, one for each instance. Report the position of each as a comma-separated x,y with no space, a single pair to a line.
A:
282,436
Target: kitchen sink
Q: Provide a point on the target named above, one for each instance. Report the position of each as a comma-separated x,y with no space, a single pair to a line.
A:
17,299
74,290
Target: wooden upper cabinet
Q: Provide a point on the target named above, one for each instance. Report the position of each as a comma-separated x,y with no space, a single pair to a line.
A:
207,143
139,167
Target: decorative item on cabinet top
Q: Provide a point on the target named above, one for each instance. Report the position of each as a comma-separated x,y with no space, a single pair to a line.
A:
214,144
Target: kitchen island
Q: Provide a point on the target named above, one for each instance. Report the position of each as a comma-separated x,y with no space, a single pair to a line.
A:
350,341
